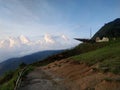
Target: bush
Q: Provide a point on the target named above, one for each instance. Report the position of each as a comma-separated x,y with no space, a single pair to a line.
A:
22,65
7,76
107,57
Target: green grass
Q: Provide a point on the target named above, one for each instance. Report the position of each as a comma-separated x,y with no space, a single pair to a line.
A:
80,49
107,54
9,83
108,57
28,70
8,80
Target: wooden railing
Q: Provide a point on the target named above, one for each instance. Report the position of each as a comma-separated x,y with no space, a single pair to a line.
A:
19,79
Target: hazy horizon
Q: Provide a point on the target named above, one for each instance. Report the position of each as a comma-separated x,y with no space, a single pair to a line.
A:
50,24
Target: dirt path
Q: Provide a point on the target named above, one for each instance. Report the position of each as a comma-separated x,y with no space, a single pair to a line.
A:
41,80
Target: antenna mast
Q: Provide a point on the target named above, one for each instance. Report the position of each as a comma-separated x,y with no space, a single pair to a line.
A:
90,32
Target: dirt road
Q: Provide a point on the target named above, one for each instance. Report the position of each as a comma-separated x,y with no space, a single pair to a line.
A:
41,80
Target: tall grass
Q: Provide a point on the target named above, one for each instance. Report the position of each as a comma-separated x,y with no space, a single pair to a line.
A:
8,80
107,57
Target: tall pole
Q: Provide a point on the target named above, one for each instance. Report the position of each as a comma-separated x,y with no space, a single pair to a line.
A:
90,33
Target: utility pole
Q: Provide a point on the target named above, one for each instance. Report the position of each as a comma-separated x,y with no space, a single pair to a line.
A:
90,33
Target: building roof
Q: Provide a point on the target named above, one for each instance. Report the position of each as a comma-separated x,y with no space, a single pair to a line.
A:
84,40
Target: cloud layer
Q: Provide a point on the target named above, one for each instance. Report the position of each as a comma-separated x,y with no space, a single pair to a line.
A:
20,46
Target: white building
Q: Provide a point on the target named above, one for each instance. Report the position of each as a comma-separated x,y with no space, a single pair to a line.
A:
104,39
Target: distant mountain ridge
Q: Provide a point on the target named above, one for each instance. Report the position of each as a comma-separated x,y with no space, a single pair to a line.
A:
13,63
110,30
18,46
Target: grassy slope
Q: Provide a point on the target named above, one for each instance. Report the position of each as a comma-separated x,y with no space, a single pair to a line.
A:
8,80
106,53
81,48
108,57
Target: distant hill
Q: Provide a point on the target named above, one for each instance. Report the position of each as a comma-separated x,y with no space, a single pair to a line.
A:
13,63
87,63
111,30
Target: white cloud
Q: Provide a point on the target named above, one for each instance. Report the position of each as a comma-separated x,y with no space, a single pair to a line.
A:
24,39
65,37
49,39
20,46
12,42
31,19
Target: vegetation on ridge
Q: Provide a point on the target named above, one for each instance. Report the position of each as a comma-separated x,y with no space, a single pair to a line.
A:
108,58
106,55
81,48
8,80
110,30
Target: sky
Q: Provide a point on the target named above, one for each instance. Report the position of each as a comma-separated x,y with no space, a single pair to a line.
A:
74,18
28,26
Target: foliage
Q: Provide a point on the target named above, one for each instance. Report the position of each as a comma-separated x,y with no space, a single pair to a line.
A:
29,69
7,76
8,80
108,57
80,49
111,30
22,65
9,83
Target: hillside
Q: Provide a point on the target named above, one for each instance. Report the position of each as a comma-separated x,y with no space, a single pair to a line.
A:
108,58
88,66
13,63
81,48
95,70
111,30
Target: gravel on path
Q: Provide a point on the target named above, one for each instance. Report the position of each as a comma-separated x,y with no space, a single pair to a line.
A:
39,79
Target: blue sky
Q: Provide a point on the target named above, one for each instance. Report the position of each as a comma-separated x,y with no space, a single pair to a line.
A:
74,18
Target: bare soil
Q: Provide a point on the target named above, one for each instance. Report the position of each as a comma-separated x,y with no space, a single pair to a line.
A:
79,76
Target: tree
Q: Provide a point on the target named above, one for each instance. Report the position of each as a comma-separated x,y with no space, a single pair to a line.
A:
22,65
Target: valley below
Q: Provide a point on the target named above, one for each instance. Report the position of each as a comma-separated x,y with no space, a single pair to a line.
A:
59,44
88,66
